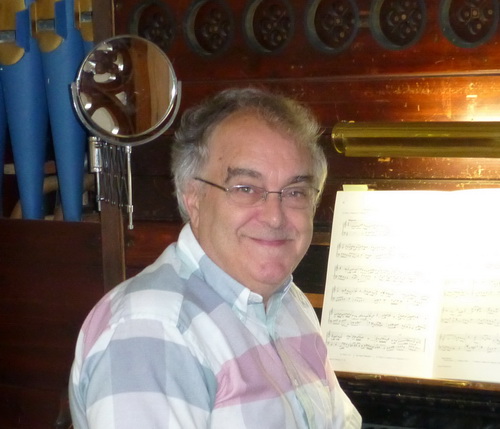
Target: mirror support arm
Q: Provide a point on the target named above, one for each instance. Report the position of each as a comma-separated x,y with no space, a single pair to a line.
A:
130,205
95,161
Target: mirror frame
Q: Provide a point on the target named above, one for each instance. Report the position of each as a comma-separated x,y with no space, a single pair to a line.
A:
134,139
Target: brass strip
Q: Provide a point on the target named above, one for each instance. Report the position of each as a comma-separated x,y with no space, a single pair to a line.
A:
10,53
43,18
84,19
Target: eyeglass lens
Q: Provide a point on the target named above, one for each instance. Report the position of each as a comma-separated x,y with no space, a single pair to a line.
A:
293,197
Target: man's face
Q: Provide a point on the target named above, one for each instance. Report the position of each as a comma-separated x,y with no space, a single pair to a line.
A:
260,245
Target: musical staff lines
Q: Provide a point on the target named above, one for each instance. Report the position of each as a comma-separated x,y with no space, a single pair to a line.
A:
413,284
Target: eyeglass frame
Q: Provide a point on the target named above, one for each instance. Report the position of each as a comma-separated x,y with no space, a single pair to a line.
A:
264,194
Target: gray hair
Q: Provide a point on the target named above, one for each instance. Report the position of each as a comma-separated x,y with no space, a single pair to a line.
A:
190,148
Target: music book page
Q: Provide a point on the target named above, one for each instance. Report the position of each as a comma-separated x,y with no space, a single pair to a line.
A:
413,284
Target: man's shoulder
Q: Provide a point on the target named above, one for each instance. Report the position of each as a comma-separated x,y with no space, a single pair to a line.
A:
155,299
151,293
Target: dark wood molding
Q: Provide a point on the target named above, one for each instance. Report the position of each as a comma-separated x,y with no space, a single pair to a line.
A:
104,20
113,249
112,229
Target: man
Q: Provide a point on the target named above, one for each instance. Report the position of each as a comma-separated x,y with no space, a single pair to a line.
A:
215,334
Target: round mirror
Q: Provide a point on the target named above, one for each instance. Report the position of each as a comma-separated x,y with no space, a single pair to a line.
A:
126,91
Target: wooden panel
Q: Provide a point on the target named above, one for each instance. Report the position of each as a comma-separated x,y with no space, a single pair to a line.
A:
227,50
50,277
377,98
27,408
103,19
146,241
436,76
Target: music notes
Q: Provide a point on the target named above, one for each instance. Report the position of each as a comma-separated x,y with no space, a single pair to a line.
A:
375,343
389,320
475,343
413,284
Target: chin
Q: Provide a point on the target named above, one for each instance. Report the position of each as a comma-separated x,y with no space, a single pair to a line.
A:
273,279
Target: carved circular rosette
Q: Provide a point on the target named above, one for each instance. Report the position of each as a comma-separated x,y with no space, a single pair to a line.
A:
268,25
469,23
331,26
398,24
154,21
209,27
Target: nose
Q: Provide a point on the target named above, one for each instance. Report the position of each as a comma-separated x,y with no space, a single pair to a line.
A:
272,210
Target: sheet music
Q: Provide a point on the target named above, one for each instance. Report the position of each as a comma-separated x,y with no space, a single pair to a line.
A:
396,266
469,334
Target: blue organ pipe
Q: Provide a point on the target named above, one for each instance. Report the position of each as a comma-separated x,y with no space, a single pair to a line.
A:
3,144
69,137
27,118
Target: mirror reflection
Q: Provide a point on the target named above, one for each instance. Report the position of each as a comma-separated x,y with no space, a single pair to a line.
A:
126,91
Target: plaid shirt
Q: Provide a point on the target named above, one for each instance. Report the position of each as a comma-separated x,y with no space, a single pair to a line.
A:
183,345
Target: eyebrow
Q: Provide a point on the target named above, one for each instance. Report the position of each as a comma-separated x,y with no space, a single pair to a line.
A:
308,178
238,172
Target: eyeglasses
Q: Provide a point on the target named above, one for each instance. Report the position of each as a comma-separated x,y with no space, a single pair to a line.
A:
295,197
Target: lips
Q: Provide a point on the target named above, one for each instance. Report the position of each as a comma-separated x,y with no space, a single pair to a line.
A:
274,242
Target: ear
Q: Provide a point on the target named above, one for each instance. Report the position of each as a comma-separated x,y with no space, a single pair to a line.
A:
191,200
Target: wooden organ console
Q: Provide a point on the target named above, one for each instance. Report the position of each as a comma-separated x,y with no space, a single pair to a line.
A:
350,60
